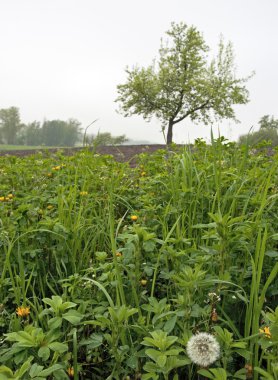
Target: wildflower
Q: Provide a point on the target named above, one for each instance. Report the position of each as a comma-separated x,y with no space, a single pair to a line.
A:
10,196
134,218
249,371
214,297
83,193
119,254
143,174
56,168
266,331
70,371
49,207
2,199
214,315
143,282
23,311
49,174
203,349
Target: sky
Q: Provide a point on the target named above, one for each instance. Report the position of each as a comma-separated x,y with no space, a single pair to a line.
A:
63,59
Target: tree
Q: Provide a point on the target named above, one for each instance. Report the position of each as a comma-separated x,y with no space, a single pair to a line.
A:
182,84
268,132
30,134
60,133
10,124
268,123
105,138
72,132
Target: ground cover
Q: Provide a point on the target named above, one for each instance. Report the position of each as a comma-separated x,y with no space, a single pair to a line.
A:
165,270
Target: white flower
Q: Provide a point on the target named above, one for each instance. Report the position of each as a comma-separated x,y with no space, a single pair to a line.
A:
203,349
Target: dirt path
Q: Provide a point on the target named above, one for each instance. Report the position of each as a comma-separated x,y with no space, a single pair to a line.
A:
122,153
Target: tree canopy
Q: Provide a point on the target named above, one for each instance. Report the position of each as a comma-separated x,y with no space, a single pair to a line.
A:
183,83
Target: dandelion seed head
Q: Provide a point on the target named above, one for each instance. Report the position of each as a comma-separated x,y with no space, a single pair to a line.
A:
203,349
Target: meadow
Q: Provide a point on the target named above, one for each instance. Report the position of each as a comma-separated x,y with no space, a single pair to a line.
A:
167,270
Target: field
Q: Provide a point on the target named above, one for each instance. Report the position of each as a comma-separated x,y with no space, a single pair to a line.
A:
5,147
163,270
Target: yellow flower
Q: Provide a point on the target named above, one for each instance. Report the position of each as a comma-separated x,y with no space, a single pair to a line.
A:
143,174
23,311
83,193
266,331
2,199
119,254
143,282
10,196
134,218
49,207
70,371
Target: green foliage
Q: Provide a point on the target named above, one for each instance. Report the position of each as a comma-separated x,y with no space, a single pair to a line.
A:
51,133
214,373
183,84
164,354
60,133
104,295
105,138
266,135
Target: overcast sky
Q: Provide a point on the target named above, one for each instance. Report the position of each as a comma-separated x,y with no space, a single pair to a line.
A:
63,59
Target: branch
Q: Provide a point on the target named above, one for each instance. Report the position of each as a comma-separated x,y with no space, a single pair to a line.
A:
179,105
202,106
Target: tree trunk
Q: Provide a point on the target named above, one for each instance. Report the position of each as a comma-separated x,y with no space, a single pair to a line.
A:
170,133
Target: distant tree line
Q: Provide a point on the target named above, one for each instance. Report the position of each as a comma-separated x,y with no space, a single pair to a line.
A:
105,138
48,133
268,133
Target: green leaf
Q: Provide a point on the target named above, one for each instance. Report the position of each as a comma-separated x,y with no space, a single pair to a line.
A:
214,373
272,254
44,353
55,323
35,370
151,375
6,373
161,360
23,338
151,367
24,368
170,324
266,375
153,354
58,347
94,341
73,317
48,371
54,302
